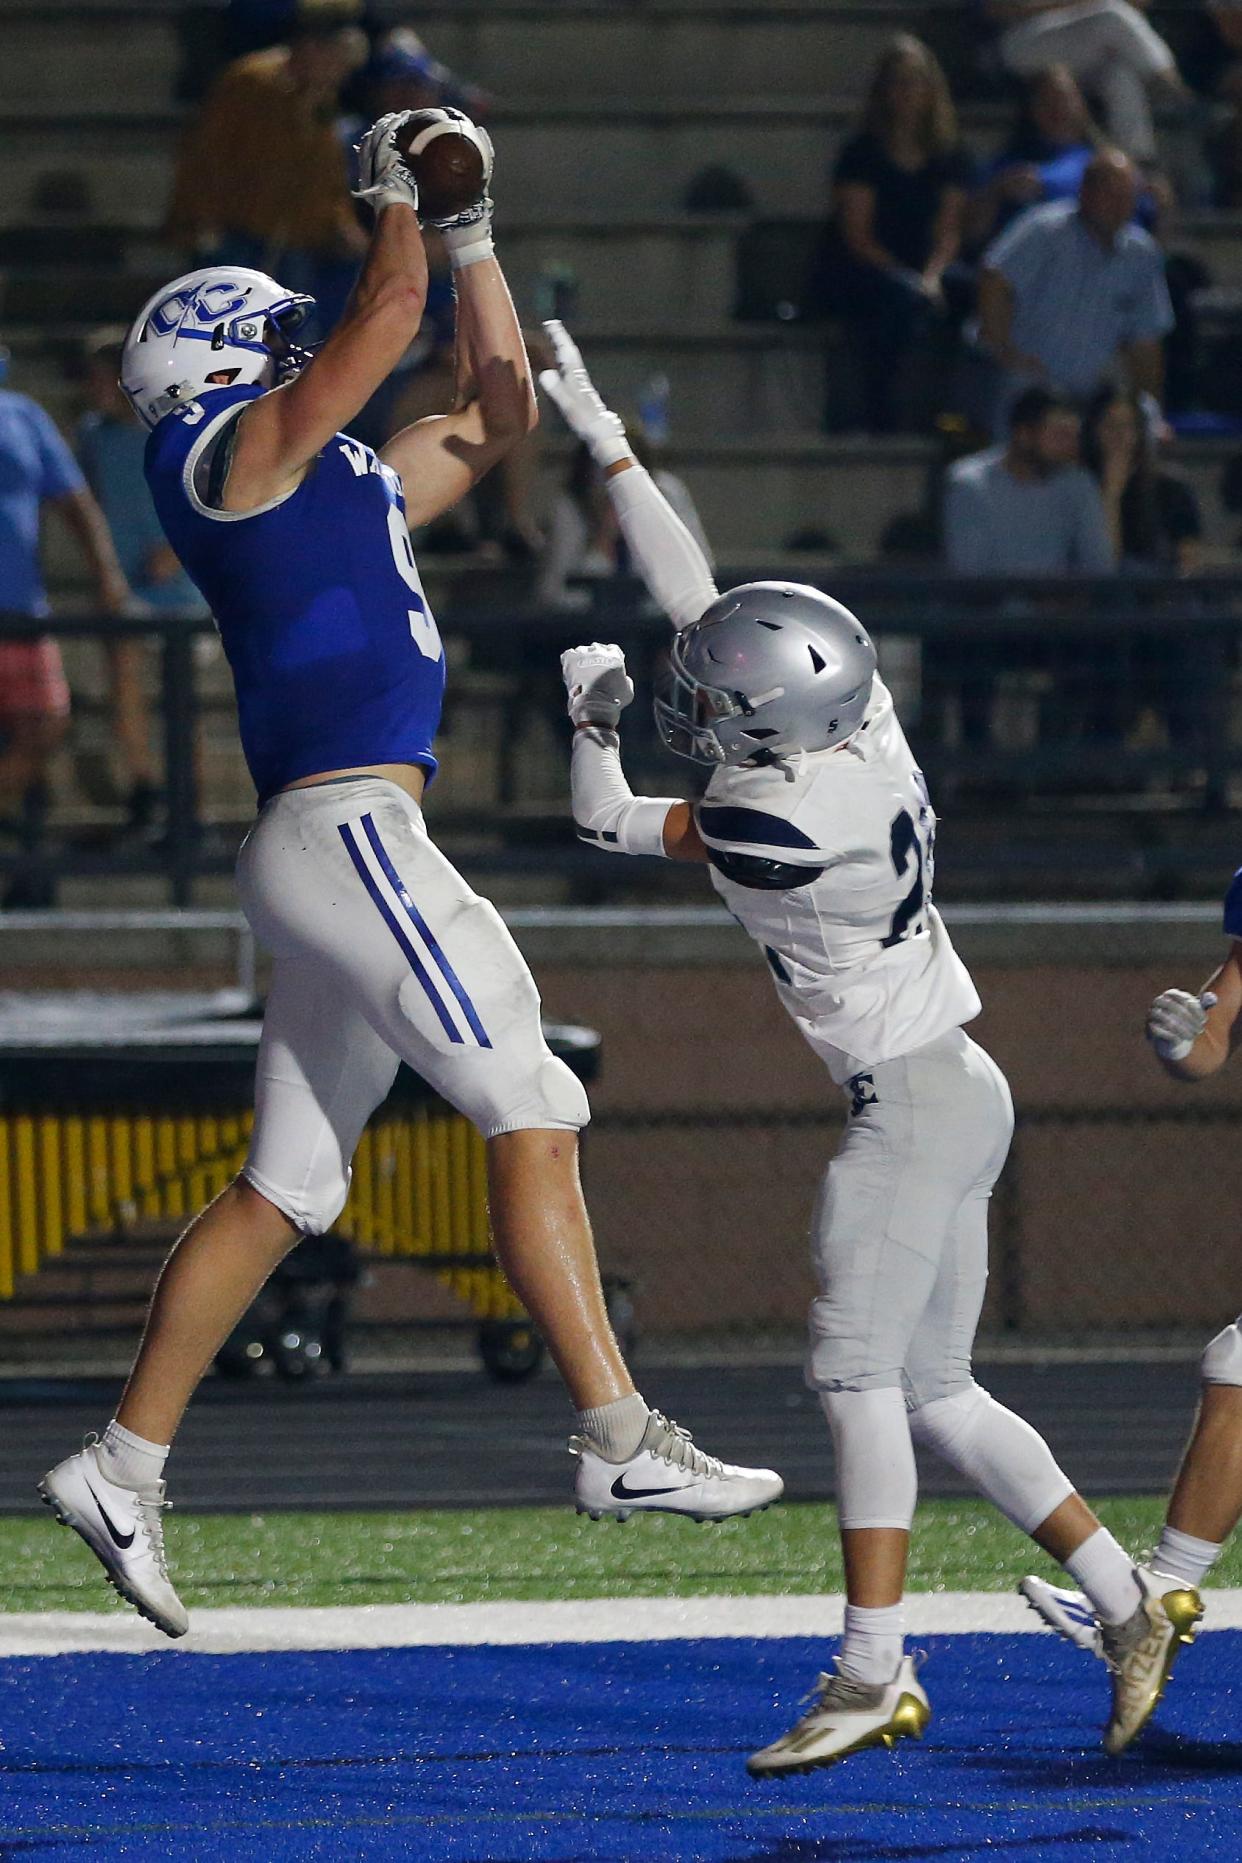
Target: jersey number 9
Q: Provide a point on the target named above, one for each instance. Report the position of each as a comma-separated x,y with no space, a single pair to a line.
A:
422,625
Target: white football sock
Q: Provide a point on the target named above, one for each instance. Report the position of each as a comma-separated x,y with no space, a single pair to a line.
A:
1105,1571
874,1642
128,1460
1183,1557
616,1429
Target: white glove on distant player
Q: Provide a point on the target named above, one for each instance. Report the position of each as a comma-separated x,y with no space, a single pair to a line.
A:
575,394
382,174
598,685
1175,1022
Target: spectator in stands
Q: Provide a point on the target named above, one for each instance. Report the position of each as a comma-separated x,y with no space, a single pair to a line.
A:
1152,513
583,536
404,75
110,446
899,201
1043,158
1073,293
1029,507
1155,528
38,471
1110,48
1024,509
262,178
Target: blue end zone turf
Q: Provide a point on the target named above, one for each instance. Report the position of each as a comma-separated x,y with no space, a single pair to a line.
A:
564,1753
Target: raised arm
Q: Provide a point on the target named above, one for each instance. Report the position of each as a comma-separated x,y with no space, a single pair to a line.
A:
1193,1036
607,813
281,433
667,556
494,406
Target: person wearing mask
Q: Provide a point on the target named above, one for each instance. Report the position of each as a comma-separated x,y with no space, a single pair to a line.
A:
37,473
899,200
1074,293
263,178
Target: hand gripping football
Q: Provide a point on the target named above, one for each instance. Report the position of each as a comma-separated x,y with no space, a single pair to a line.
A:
449,158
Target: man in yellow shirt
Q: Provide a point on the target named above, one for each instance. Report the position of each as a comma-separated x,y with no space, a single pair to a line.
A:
262,178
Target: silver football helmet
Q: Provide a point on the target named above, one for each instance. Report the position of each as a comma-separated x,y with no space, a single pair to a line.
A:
770,669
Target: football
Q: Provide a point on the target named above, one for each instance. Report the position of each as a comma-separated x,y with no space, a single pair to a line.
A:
444,156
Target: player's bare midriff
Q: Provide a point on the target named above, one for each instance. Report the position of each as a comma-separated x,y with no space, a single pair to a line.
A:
408,776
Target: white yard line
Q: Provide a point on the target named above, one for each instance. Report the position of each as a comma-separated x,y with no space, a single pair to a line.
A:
602,1620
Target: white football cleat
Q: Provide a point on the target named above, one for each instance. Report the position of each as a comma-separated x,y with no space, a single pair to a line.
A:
1141,1652
669,1474
1067,1612
125,1531
846,1717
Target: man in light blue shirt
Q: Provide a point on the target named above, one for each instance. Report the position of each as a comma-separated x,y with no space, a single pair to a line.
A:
1028,508
1073,294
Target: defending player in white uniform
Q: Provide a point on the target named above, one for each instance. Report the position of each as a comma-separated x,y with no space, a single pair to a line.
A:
819,834
298,537
1192,1038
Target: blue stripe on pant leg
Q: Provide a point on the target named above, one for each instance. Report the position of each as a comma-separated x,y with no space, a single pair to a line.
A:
399,933
450,975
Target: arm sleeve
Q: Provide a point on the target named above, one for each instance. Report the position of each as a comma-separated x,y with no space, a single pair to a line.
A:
668,559
607,813
59,472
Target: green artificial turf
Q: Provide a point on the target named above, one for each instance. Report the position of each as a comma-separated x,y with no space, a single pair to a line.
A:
545,1552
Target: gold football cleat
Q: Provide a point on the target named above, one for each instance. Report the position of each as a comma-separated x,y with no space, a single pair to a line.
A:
1141,1652
847,1717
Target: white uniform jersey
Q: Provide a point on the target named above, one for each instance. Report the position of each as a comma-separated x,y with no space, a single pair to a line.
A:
861,958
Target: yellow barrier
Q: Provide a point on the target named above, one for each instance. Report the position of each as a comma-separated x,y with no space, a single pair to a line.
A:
419,1187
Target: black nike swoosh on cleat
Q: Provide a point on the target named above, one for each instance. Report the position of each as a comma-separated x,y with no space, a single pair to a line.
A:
121,1539
623,1493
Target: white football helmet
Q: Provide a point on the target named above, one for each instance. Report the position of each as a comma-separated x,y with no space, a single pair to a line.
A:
221,319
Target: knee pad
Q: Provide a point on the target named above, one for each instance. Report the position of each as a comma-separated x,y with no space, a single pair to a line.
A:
1222,1360
999,1453
552,1096
841,1358
876,1481
315,1207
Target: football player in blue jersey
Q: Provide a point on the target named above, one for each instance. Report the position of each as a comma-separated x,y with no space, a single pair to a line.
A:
298,537
1192,1037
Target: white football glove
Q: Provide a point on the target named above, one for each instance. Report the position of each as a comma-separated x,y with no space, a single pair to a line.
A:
382,174
574,393
1175,1022
598,685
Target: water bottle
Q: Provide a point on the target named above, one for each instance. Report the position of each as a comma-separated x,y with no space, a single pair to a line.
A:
653,406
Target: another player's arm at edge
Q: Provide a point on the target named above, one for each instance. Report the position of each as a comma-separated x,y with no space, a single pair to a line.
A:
682,840
1222,1029
281,433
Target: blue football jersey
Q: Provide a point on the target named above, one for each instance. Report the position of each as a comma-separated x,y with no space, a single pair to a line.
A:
1233,907
335,654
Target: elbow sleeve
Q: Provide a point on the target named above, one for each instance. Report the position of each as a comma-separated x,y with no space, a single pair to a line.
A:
667,557
607,813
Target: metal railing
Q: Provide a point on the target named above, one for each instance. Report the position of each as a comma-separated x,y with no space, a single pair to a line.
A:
1011,691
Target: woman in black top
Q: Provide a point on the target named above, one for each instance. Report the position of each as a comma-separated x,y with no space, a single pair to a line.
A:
1156,526
1153,514
899,201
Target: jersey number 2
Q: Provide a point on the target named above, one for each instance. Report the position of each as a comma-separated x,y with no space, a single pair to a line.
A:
904,841
423,628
